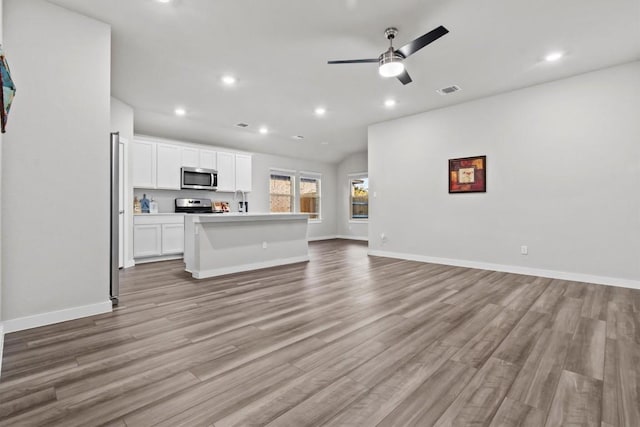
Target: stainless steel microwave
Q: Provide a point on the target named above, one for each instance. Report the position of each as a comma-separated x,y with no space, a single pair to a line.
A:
198,178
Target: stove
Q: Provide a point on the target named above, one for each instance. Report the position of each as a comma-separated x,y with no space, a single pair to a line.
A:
194,206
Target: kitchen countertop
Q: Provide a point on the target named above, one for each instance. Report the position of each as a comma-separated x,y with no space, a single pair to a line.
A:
161,213
239,217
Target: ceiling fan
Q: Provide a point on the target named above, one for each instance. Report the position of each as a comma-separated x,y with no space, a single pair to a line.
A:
390,62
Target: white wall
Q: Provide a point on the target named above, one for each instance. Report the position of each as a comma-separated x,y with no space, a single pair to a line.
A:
262,165
122,121
355,163
55,189
121,118
563,165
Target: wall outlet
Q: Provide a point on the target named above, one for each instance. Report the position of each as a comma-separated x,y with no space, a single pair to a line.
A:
524,250
383,237
264,245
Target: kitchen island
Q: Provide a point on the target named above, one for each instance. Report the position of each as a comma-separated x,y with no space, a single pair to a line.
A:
218,244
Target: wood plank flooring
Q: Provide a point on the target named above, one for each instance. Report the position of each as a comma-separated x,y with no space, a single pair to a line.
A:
344,340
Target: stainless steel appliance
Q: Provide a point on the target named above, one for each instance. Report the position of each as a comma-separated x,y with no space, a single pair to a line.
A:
195,206
198,178
117,216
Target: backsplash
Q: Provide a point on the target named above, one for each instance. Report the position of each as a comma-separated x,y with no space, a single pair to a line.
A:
166,198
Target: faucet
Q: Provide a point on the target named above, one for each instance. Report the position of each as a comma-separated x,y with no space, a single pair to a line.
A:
241,208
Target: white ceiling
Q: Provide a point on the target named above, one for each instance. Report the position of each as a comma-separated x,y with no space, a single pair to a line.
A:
169,55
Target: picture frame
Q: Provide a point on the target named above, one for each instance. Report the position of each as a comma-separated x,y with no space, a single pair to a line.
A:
468,175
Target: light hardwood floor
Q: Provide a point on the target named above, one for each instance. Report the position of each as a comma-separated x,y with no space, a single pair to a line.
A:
345,340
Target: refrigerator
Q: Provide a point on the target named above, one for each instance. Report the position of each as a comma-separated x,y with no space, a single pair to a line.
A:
116,217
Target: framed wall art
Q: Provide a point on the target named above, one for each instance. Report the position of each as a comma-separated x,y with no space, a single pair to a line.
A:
468,175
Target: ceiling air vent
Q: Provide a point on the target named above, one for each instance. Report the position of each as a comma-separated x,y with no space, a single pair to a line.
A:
242,125
448,90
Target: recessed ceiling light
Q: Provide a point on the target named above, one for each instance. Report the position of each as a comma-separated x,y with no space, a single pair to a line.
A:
554,56
320,111
297,137
228,80
163,1
180,111
324,143
390,103
263,130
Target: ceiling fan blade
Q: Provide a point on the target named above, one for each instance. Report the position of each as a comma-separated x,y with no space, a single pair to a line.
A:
353,61
405,78
414,46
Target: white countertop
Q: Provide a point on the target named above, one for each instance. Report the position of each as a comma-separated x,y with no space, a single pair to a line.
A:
238,217
162,213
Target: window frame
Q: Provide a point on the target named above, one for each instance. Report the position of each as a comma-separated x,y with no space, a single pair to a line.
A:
351,178
292,176
317,177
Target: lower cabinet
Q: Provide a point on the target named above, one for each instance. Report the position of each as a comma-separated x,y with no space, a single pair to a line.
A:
172,238
147,240
157,236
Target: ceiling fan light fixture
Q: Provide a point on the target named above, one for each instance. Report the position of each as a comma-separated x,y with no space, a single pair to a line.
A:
391,64
228,80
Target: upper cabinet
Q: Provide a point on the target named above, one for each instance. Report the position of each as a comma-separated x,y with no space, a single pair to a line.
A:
207,159
143,156
198,158
157,165
168,166
190,157
243,172
226,171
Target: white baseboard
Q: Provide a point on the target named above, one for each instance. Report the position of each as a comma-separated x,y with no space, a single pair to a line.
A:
28,322
203,274
347,237
156,259
552,274
315,239
129,263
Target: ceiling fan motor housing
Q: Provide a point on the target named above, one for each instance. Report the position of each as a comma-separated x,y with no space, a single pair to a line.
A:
390,33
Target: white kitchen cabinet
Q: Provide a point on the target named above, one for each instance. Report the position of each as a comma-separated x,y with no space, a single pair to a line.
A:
190,157
243,172
147,240
157,165
226,171
157,237
208,159
172,239
143,156
198,158
169,159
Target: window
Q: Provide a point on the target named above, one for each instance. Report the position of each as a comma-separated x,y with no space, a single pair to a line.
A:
281,192
310,196
359,197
